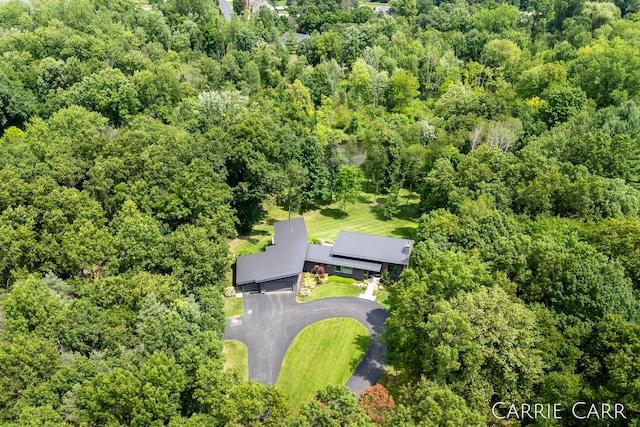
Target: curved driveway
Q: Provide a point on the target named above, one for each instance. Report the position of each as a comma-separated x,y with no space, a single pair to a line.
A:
271,322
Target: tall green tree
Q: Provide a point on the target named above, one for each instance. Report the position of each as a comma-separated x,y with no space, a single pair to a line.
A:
347,187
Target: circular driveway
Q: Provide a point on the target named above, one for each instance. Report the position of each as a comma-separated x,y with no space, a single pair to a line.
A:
271,322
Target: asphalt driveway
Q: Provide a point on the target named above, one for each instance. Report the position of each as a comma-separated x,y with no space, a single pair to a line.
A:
271,322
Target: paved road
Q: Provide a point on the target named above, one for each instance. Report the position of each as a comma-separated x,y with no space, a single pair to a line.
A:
271,322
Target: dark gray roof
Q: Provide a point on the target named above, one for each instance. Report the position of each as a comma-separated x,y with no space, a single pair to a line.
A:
372,248
322,254
284,259
299,37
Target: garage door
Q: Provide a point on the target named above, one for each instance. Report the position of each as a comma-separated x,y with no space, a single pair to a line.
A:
279,285
251,287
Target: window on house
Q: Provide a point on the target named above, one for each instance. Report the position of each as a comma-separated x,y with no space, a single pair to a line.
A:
345,270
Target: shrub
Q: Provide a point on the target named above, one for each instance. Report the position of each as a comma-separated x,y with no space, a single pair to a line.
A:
310,280
385,279
229,292
305,292
319,270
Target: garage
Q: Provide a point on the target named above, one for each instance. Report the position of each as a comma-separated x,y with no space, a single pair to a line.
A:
251,288
279,285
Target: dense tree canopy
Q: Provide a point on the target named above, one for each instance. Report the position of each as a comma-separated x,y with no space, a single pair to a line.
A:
136,138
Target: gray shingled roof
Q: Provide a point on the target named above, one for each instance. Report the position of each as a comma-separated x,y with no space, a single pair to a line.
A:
322,254
372,248
300,37
284,259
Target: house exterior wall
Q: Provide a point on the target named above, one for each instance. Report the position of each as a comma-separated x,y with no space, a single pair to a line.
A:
357,273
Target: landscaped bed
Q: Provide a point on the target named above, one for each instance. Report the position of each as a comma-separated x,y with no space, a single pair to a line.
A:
324,353
236,357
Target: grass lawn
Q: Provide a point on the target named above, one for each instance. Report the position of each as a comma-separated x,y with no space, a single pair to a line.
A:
232,307
324,353
373,4
381,298
332,289
327,221
236,357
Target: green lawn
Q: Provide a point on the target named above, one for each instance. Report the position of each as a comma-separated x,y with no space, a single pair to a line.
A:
327,221
373,4
332,289
236,357
232,307
382,297
324,353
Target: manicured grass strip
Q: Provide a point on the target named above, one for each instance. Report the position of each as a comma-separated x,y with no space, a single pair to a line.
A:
382,297
236,357
232,307
324,353
332,290
373,4
327,222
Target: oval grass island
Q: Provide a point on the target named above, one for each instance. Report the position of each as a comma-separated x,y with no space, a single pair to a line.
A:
326,352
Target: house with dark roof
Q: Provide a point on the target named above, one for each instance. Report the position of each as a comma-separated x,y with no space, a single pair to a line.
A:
354,255
300,37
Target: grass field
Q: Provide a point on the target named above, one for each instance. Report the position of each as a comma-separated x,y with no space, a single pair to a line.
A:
232,307
236,357
381,298
327,221
332,289
324,353
373,4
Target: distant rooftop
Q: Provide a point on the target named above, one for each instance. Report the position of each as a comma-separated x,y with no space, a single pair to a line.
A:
299,37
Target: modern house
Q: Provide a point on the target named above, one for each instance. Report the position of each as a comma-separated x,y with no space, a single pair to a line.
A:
353,255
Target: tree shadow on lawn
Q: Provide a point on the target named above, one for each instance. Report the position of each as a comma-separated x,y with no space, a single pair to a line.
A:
332,213
406,213
405,232
253,237
365,198
362,342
